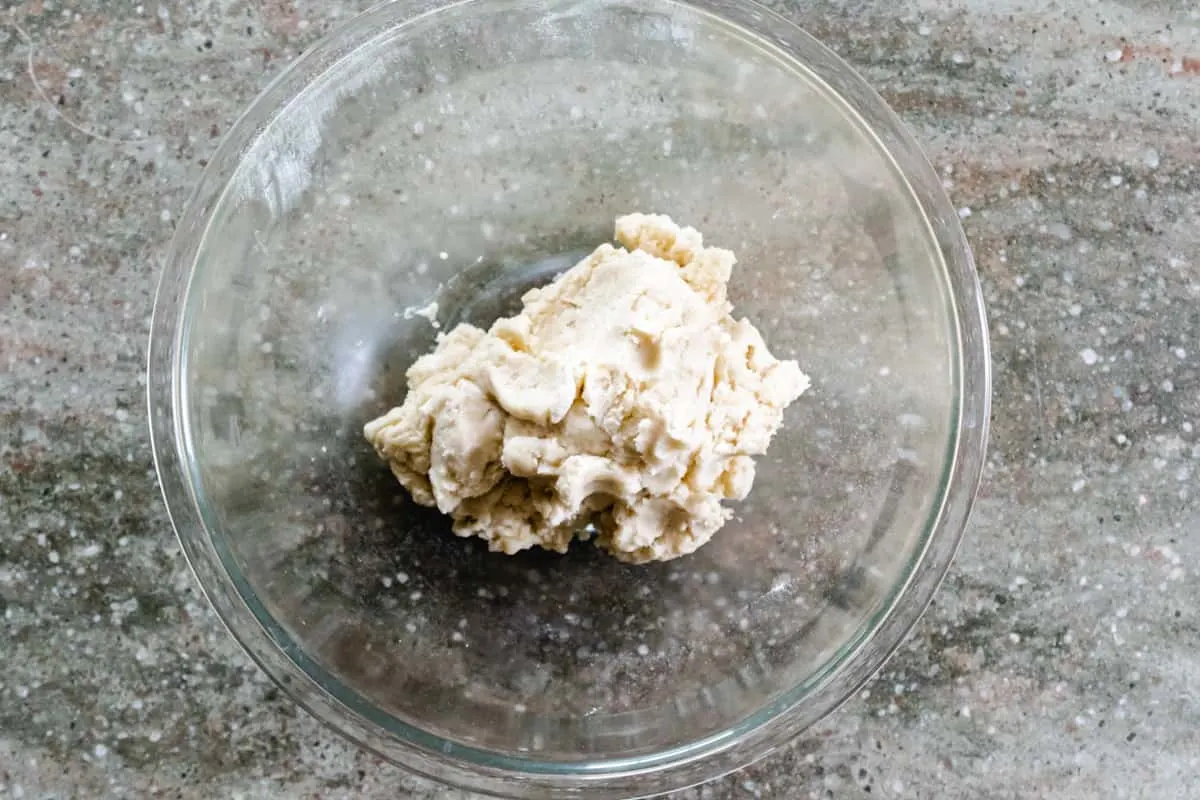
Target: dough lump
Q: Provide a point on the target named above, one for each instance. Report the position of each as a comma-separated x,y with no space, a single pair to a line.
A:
624,403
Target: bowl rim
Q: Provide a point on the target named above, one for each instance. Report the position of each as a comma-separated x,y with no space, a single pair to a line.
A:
482,770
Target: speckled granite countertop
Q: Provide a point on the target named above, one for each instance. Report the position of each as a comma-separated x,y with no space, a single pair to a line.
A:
1062,658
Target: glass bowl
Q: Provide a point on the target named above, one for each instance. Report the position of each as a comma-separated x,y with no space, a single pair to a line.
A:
462,153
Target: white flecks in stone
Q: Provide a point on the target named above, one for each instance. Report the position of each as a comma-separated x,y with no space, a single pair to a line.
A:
1167,386
1113,55
964,212
1078,485
100,751
924,30
1060,230
1089,356
1180,353
1075,310
643,650
1151,159
1115,180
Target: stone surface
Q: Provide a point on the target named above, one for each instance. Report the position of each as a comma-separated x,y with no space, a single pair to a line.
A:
1059,660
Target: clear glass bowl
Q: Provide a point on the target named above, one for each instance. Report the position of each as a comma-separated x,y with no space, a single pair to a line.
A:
462,153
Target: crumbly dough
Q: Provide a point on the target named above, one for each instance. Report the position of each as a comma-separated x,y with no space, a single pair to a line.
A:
623,402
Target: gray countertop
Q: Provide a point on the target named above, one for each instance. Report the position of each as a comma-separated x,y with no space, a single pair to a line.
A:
1062,656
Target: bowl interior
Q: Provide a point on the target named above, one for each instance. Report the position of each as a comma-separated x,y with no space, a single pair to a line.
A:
463,156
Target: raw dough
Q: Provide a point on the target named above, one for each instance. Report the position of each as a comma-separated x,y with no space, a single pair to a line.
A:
624,396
